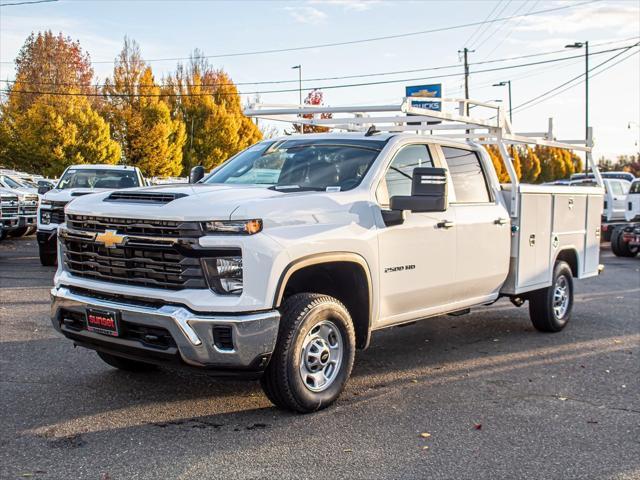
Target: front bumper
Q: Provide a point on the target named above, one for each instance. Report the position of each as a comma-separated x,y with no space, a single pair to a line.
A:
9,223
254,334
28,220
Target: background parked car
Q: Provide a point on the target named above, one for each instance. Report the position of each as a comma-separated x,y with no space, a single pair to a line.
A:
76,181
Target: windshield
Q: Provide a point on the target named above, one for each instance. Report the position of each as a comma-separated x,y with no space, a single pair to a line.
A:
98,178
289,165
10,182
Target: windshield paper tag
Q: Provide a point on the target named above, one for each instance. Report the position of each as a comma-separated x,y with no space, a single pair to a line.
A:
332,189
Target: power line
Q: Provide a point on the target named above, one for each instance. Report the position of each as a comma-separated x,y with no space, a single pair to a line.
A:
535,4
365,40
489,25
26,3
495,7
553,90
580,82
506,67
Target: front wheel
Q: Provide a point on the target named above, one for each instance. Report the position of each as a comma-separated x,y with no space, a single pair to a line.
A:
48,259
18,232
550,308
314,353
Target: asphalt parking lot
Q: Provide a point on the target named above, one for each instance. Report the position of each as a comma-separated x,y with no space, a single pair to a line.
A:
476,396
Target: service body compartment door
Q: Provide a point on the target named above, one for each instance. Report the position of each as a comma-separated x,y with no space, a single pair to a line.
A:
592,236
534,245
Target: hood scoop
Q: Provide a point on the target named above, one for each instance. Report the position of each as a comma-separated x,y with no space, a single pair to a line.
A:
79,194
144,197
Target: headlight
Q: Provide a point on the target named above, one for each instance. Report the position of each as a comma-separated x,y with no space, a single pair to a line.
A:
246,227
45,217
224,274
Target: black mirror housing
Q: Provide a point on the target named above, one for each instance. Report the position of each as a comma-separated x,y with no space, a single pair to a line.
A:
196,174
428,192
42,189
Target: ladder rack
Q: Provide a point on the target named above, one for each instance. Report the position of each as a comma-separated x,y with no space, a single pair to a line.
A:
493,129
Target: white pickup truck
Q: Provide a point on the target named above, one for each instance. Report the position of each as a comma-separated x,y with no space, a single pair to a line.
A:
291,254
76,181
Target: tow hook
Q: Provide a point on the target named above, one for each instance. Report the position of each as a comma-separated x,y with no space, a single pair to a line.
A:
517,301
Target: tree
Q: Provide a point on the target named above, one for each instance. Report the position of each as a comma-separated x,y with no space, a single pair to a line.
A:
530,165
46,132
209,104
314,98
141,119
50,136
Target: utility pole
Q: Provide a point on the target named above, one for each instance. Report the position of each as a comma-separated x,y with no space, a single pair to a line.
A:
465,53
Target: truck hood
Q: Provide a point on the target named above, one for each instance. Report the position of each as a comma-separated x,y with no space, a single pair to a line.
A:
192,203
202,202
68,194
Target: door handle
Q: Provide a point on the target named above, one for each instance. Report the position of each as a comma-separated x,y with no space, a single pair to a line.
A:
501,221
445,224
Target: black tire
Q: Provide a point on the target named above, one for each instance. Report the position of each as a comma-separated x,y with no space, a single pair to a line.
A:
619,247
282,381
541,302
125,364
48,259
18,232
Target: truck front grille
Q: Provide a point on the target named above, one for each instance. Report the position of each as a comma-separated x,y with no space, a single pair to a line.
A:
9,206
134,226
141,260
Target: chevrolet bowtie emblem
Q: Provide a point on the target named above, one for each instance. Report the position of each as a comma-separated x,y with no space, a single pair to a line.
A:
110,238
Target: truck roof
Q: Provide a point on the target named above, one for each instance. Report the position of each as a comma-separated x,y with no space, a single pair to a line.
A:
382,137
101,167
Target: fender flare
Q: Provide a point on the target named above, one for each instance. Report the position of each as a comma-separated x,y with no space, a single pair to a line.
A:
318,259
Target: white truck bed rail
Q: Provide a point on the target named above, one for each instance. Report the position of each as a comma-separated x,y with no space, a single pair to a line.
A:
493,129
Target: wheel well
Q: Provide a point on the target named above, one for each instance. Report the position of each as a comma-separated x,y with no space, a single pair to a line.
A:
343,280
571,257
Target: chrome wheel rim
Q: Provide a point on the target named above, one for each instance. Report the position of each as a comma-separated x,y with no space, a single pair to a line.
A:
561,297
321,356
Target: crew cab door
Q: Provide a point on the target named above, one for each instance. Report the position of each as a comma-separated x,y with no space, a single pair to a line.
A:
618,198
483,234
417,257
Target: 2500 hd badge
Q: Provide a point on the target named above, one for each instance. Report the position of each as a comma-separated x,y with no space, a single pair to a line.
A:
401,268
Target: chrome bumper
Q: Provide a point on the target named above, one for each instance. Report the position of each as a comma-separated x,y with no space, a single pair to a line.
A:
254,335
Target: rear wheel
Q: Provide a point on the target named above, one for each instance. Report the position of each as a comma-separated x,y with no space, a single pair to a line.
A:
125,364
314,353
619,247
550,308
48,259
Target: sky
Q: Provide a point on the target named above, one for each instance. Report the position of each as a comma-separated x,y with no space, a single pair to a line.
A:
169,29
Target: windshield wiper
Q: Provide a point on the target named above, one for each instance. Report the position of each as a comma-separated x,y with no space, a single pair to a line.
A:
296,188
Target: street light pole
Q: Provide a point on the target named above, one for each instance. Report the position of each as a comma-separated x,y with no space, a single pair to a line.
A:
584,44
299,68
502,84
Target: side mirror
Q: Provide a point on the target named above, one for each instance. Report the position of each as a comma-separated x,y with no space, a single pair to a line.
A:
428,192
196,174
42,189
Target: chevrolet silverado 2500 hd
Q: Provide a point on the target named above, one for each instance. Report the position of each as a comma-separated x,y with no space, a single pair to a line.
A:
76,181
286,259
8,212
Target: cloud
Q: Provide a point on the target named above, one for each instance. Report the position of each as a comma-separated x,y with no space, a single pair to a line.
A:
622,18
309,15
357,5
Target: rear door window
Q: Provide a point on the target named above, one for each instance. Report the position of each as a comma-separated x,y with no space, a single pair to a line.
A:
467,176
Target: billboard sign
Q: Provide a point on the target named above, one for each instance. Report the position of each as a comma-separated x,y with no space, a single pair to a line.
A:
426,92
